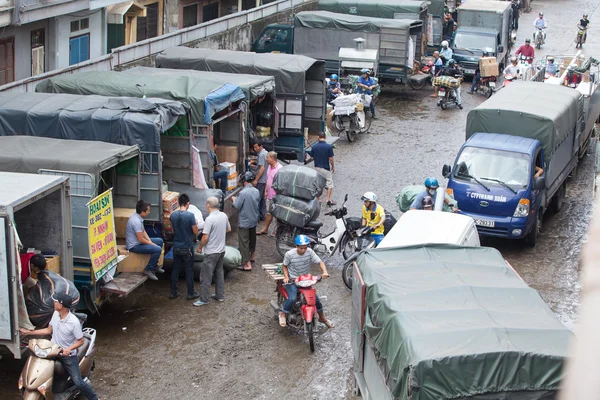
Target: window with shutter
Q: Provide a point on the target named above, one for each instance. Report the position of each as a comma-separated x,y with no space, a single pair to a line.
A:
190,15
152,20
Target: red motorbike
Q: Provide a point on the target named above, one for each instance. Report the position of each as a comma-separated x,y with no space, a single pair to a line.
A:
304,311
425,76
508,78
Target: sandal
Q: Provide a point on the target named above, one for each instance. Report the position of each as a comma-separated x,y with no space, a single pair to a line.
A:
326,322
331,203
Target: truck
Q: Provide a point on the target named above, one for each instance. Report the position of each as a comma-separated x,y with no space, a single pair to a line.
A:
521,146
320,35
483,26
440,321
34,213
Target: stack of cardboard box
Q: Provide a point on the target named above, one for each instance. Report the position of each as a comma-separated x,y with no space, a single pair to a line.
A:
488,67
232,177
170,204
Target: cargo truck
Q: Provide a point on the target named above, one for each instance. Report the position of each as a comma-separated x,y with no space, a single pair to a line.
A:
521,146
483,26
320,35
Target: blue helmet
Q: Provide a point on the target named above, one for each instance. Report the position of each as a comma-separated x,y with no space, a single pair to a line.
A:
302,240
333,76
365,71
432,183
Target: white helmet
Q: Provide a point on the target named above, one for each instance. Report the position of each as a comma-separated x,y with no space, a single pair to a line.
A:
445,43
369,196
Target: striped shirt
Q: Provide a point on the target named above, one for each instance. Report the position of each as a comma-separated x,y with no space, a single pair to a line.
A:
300,264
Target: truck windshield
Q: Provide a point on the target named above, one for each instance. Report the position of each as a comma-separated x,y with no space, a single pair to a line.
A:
493,167
471,41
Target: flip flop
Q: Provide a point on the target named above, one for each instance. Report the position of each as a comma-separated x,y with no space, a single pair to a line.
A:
244,269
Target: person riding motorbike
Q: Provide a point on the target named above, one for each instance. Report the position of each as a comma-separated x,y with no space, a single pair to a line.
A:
551,67
295,263
583,23
526,50
446,51
477,76
512,69
453,70
540,22
373,216
333,89
366,84
431,190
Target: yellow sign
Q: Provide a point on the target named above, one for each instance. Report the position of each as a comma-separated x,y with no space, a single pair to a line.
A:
101,234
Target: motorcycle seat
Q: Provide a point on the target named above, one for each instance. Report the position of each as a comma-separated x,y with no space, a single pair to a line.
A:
60,371
316,225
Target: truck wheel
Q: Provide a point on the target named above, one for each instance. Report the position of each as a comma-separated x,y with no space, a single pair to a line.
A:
531,238
417,84
558,200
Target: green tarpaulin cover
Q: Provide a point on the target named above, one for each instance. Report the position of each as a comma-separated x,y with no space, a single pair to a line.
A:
205,97
533,110
373,8
354,23
450,322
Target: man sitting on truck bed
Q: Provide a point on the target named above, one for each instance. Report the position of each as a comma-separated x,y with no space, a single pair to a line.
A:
138,241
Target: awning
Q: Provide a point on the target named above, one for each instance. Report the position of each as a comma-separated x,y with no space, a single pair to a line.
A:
131,8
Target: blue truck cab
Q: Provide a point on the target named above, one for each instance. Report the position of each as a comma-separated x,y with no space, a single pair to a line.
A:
493,181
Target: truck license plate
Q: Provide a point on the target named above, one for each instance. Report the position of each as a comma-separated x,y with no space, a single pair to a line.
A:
485,222
469,71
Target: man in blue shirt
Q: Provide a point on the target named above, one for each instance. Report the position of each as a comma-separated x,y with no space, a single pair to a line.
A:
366,84
322,153
138,241
431,187
247,204
220,175
185,230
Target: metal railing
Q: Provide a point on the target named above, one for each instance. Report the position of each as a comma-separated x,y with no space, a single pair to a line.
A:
146,48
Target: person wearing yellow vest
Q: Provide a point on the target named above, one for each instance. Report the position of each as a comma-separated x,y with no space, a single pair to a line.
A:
373,216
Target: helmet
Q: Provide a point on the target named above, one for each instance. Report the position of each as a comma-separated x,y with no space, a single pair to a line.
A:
333,76
365,71
527,40
302,240
513,60
541,14
427,202
550,58
248,176
445,43
431,183
585,15
486,54
451,61
369,196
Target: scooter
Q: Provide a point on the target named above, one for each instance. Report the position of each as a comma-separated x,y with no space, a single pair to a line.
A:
508,79
486,86
539,37
350,116
340,239
579,38
447,97
41,369
304,311
363,241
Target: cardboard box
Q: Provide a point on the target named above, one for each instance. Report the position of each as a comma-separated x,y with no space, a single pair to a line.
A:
486,60
491,69
229,167
135,262
170,201
52,264
227,153
232,181
121,217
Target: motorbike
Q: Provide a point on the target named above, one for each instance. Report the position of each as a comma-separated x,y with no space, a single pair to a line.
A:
42,368
424,77
304,311
580,35
486,86
350,116
341,239
447,96
509,79
539,37
363,241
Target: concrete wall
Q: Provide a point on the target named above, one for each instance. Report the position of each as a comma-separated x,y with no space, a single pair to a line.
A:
171,18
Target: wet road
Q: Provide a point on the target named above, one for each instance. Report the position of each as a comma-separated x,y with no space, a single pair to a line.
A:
235,349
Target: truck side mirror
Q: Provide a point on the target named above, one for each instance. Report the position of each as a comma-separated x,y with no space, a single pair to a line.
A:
540,183
446,170
500,49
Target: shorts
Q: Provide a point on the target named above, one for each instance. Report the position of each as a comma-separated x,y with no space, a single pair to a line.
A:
328,176
269,205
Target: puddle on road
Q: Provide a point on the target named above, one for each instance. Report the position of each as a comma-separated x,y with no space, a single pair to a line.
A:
257,302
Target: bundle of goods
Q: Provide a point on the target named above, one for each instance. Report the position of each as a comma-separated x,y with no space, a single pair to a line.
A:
354,82
170,204
408,194
232,177
297,189
348,104
40,305
447,81
262,131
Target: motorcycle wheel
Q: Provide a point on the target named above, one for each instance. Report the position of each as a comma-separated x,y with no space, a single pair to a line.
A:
351,135
367,124
488,92
417,85
347,275
443,105
284,239
348,247
311,335
539,45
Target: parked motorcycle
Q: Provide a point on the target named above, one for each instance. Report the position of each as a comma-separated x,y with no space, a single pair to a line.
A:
539,37
486,86
341,239
304,311
424,77
350,116
42,368
580,35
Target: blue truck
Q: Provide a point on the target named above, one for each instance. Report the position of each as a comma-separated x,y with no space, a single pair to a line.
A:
522,144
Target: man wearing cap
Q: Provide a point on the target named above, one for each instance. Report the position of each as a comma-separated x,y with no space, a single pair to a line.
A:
66,332
247,203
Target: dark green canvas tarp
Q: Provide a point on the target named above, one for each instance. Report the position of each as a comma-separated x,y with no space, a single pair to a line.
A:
373,8
533,110
450,322
205,97
353,23
290,70
253,86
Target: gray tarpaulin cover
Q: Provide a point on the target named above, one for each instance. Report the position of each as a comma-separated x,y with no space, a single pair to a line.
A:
28,154
329,20
253,86
299,181
294,211
290,70
126,121
373,8
205,97
450,322
533,110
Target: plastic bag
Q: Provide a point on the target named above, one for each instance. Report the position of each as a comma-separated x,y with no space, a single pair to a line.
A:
296,212
299,182
40,305
233,258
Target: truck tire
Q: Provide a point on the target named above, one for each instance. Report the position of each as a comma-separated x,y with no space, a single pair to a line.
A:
558,199
531,238
417,85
